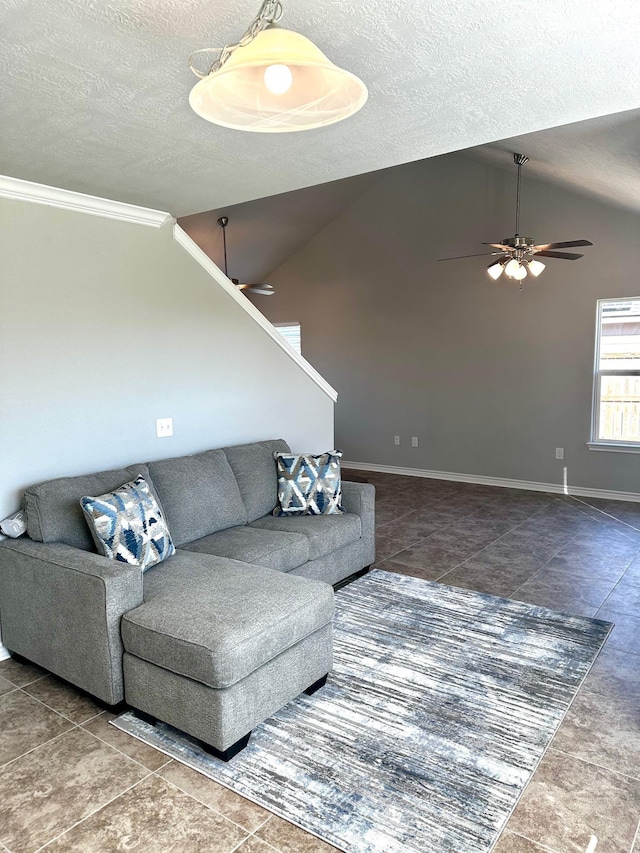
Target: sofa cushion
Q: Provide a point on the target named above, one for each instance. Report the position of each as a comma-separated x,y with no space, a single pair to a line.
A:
255,471
274,549
309,484
53,508
127,525
216,620
199,495
326,533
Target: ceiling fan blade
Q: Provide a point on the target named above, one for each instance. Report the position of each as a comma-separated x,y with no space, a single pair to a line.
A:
498,246
568,256
566,245
263,289
476,255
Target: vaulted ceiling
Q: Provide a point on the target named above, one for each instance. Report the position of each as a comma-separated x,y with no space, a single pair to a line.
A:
600,157
93,93
262,234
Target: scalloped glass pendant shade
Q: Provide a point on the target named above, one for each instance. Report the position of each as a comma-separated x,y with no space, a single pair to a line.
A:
278,83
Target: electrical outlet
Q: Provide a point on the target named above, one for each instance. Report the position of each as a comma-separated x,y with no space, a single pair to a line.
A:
396,439
559,452
414,441
164,427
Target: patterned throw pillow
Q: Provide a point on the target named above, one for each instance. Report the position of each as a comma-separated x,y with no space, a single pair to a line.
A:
309,485
127,525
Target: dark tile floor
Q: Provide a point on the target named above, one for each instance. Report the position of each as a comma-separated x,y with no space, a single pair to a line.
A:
71,782
568,554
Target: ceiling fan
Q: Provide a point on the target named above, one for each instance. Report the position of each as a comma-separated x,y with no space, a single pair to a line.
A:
263,289
518,256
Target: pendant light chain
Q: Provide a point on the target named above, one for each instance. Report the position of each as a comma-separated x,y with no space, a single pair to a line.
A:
270,12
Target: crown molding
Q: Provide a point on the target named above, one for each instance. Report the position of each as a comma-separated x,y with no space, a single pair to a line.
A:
181,236
20,190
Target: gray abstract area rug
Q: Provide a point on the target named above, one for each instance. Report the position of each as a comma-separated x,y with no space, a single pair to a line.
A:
441,703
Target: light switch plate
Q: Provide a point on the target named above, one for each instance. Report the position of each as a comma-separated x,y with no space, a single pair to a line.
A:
164,427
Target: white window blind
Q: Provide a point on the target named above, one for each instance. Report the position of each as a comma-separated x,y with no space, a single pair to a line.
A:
291,333
616,393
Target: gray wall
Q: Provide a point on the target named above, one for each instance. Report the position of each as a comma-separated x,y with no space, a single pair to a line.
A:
106,326
490,378
262,234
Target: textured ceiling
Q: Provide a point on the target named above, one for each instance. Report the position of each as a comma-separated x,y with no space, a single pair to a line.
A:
93,94
600,157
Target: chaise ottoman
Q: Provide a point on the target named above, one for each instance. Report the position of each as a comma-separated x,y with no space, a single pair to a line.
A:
219,645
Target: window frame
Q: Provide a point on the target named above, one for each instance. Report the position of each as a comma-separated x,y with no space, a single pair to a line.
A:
596,443
289,325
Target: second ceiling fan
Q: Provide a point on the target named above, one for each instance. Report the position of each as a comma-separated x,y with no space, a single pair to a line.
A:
263,289
518,256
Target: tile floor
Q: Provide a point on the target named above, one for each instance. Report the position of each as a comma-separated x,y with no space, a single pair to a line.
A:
71,782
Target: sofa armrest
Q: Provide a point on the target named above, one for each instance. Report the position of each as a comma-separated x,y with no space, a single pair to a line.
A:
360,498
60,607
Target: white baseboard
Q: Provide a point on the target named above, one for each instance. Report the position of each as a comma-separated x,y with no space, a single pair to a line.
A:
4,653
529,485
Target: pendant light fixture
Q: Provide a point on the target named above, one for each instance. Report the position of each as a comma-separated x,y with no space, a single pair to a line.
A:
263,289
274,81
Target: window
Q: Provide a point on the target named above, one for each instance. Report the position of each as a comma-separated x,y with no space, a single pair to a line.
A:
291,333
616,395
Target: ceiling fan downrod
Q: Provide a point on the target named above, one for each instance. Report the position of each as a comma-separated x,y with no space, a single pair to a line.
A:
263,289
223,221
519,160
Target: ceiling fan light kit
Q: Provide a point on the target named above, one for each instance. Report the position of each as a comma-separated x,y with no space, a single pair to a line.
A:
518,254
274,81
262,288
495,269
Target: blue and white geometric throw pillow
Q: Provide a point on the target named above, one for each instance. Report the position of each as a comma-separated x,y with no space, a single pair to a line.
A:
308,484
127,525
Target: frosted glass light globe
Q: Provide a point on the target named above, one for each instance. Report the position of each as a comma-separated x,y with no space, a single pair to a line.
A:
248,92
512,268
496,270
520,273
536,267
278,78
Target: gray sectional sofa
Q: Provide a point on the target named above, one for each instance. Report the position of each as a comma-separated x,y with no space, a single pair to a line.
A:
214,639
